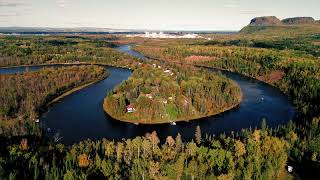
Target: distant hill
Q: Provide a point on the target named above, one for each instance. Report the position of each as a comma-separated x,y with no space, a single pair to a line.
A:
272,26
274,21
265,21
298,20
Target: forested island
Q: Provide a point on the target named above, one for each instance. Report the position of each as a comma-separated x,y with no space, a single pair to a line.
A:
159,94
283,53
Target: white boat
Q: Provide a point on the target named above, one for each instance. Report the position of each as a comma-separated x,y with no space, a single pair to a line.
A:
173,123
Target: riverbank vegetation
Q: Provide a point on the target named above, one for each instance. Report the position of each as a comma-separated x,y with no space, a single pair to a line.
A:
31,50
24,95
160,94
249,155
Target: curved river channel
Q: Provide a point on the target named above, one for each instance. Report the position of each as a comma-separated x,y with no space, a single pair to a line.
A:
80,115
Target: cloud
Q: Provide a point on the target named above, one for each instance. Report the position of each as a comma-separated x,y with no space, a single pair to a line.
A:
231,4
9,14
11,3
63,3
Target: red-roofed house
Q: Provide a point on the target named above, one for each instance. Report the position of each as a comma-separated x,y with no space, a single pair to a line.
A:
130,108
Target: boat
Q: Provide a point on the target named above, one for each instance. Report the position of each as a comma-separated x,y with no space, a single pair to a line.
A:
173,123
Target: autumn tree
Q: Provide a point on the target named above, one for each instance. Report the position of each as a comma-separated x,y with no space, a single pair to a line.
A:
198,135
83,161
179,143
154,139
170,141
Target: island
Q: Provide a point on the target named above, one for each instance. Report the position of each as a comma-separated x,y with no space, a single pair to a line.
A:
156,94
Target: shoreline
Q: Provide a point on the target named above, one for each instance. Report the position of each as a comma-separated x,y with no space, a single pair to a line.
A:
223,110
57,97
45,108
71,64
178,120
75,89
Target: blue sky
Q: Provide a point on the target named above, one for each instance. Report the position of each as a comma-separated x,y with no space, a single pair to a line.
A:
150,14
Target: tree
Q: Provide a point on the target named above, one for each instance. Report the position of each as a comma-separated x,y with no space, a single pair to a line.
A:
83,161
170,141
263,124
146,147
69,175
239,148
179,143
179,166
106,167
198,135
24,144
137,142
120,149
154,169
191,148
154,139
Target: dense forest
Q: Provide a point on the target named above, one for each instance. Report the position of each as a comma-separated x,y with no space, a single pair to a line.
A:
290,64
295,73
24,95
27,50
248,155
159,94
262,153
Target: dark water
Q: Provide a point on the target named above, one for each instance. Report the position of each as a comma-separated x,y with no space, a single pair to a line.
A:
80,115
127,49
21,69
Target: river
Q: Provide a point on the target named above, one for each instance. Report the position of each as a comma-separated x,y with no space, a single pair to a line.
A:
80,115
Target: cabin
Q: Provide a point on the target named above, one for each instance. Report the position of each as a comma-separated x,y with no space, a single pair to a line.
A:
130,108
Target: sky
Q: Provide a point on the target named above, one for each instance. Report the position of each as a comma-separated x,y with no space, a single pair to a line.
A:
150,14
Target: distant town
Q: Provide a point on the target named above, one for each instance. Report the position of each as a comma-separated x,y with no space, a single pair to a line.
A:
164,35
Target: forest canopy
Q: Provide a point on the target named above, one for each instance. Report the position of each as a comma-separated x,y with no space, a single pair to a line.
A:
160,94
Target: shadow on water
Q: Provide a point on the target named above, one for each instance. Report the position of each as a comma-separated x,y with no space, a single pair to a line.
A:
80,115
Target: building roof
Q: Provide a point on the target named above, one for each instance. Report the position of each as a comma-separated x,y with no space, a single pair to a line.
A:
130,106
